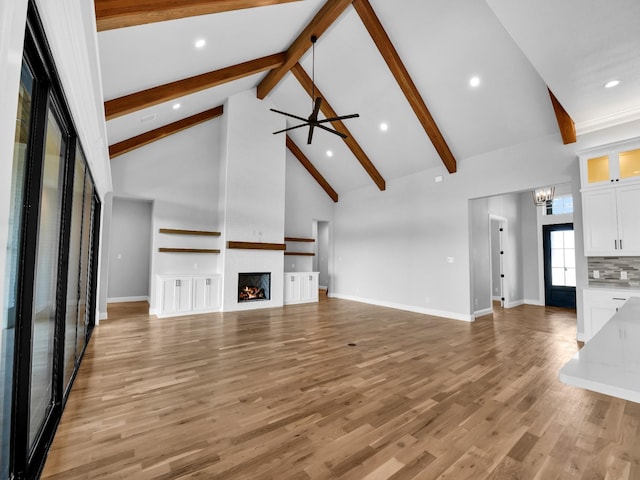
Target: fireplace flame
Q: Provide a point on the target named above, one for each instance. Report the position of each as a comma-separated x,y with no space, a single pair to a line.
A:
249,292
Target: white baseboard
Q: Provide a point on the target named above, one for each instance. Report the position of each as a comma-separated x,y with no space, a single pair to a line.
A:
515,303
538,303
103,316
409,308
323,287
580,336
482,313
496,299
127,299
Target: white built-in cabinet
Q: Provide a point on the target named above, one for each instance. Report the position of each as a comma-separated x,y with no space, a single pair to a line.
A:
612,221
186,294
600,304
611,199
300,287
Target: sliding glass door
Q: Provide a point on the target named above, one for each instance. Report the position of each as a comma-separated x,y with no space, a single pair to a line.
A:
50,269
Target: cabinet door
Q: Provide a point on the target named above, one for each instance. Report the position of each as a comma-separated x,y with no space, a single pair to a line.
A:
201,293
600,315
168,295
600,223
183,301
628,201
291,288
310,287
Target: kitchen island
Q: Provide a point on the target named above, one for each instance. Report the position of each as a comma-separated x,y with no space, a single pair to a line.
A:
610,362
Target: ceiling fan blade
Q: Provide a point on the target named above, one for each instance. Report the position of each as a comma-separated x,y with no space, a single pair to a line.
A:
310,137
316,109
340,134
289,115
335,119
292,128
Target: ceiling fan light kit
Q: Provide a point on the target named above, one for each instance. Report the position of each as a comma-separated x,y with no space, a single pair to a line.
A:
312,121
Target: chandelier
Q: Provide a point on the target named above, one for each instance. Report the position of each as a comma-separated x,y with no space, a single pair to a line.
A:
543,195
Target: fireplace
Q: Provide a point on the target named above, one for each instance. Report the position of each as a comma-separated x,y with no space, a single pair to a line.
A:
254,286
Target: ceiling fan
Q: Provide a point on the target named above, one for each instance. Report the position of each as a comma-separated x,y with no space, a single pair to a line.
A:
312,121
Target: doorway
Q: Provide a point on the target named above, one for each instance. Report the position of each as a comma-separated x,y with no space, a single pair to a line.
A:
558,243
497,242
321,259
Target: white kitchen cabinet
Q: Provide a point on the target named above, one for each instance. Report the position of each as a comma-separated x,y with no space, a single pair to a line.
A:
599,305
616,163
300,287
184,294
611,221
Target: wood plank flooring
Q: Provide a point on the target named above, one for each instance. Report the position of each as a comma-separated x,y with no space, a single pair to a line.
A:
279,394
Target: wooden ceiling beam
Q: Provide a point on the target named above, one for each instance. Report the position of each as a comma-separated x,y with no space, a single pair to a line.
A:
112,14
146,138
329,112
325,17
565,122
390,55
170,91
306,163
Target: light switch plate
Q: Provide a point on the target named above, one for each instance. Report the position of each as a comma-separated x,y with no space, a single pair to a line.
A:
623,275
596,274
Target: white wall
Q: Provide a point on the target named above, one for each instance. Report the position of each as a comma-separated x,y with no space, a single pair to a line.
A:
130,247
395,247
306,201
530,259
180,175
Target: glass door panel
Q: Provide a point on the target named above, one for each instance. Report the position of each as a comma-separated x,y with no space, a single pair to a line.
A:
85,261
73,275
598,169
629,163
46,274
8,316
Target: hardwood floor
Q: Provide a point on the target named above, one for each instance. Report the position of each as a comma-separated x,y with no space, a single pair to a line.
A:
280,394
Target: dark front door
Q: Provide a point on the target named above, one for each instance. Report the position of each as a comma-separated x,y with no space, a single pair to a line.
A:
559,265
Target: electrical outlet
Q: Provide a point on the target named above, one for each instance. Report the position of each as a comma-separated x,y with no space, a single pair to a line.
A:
623,275
596,274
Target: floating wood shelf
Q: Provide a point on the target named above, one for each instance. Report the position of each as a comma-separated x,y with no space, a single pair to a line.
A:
296,239
189,232
256,246
301,254
189,250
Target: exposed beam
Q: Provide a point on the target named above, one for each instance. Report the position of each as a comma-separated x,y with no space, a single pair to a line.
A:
138,141
170,91
112,14
328,14
329,112
390,55
565,122
306,163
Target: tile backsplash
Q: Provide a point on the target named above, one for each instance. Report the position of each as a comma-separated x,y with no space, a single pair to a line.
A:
609,269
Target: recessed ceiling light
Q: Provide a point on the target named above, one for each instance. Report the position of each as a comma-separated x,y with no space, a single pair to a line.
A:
474,81
200,43
384,127
329,153
612,83
176,106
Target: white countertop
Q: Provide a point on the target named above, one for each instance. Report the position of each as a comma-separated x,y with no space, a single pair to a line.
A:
610,362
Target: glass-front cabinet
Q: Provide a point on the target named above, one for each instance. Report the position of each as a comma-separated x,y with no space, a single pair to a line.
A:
611,164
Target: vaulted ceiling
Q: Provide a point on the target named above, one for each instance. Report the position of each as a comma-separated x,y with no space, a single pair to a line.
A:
405,63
